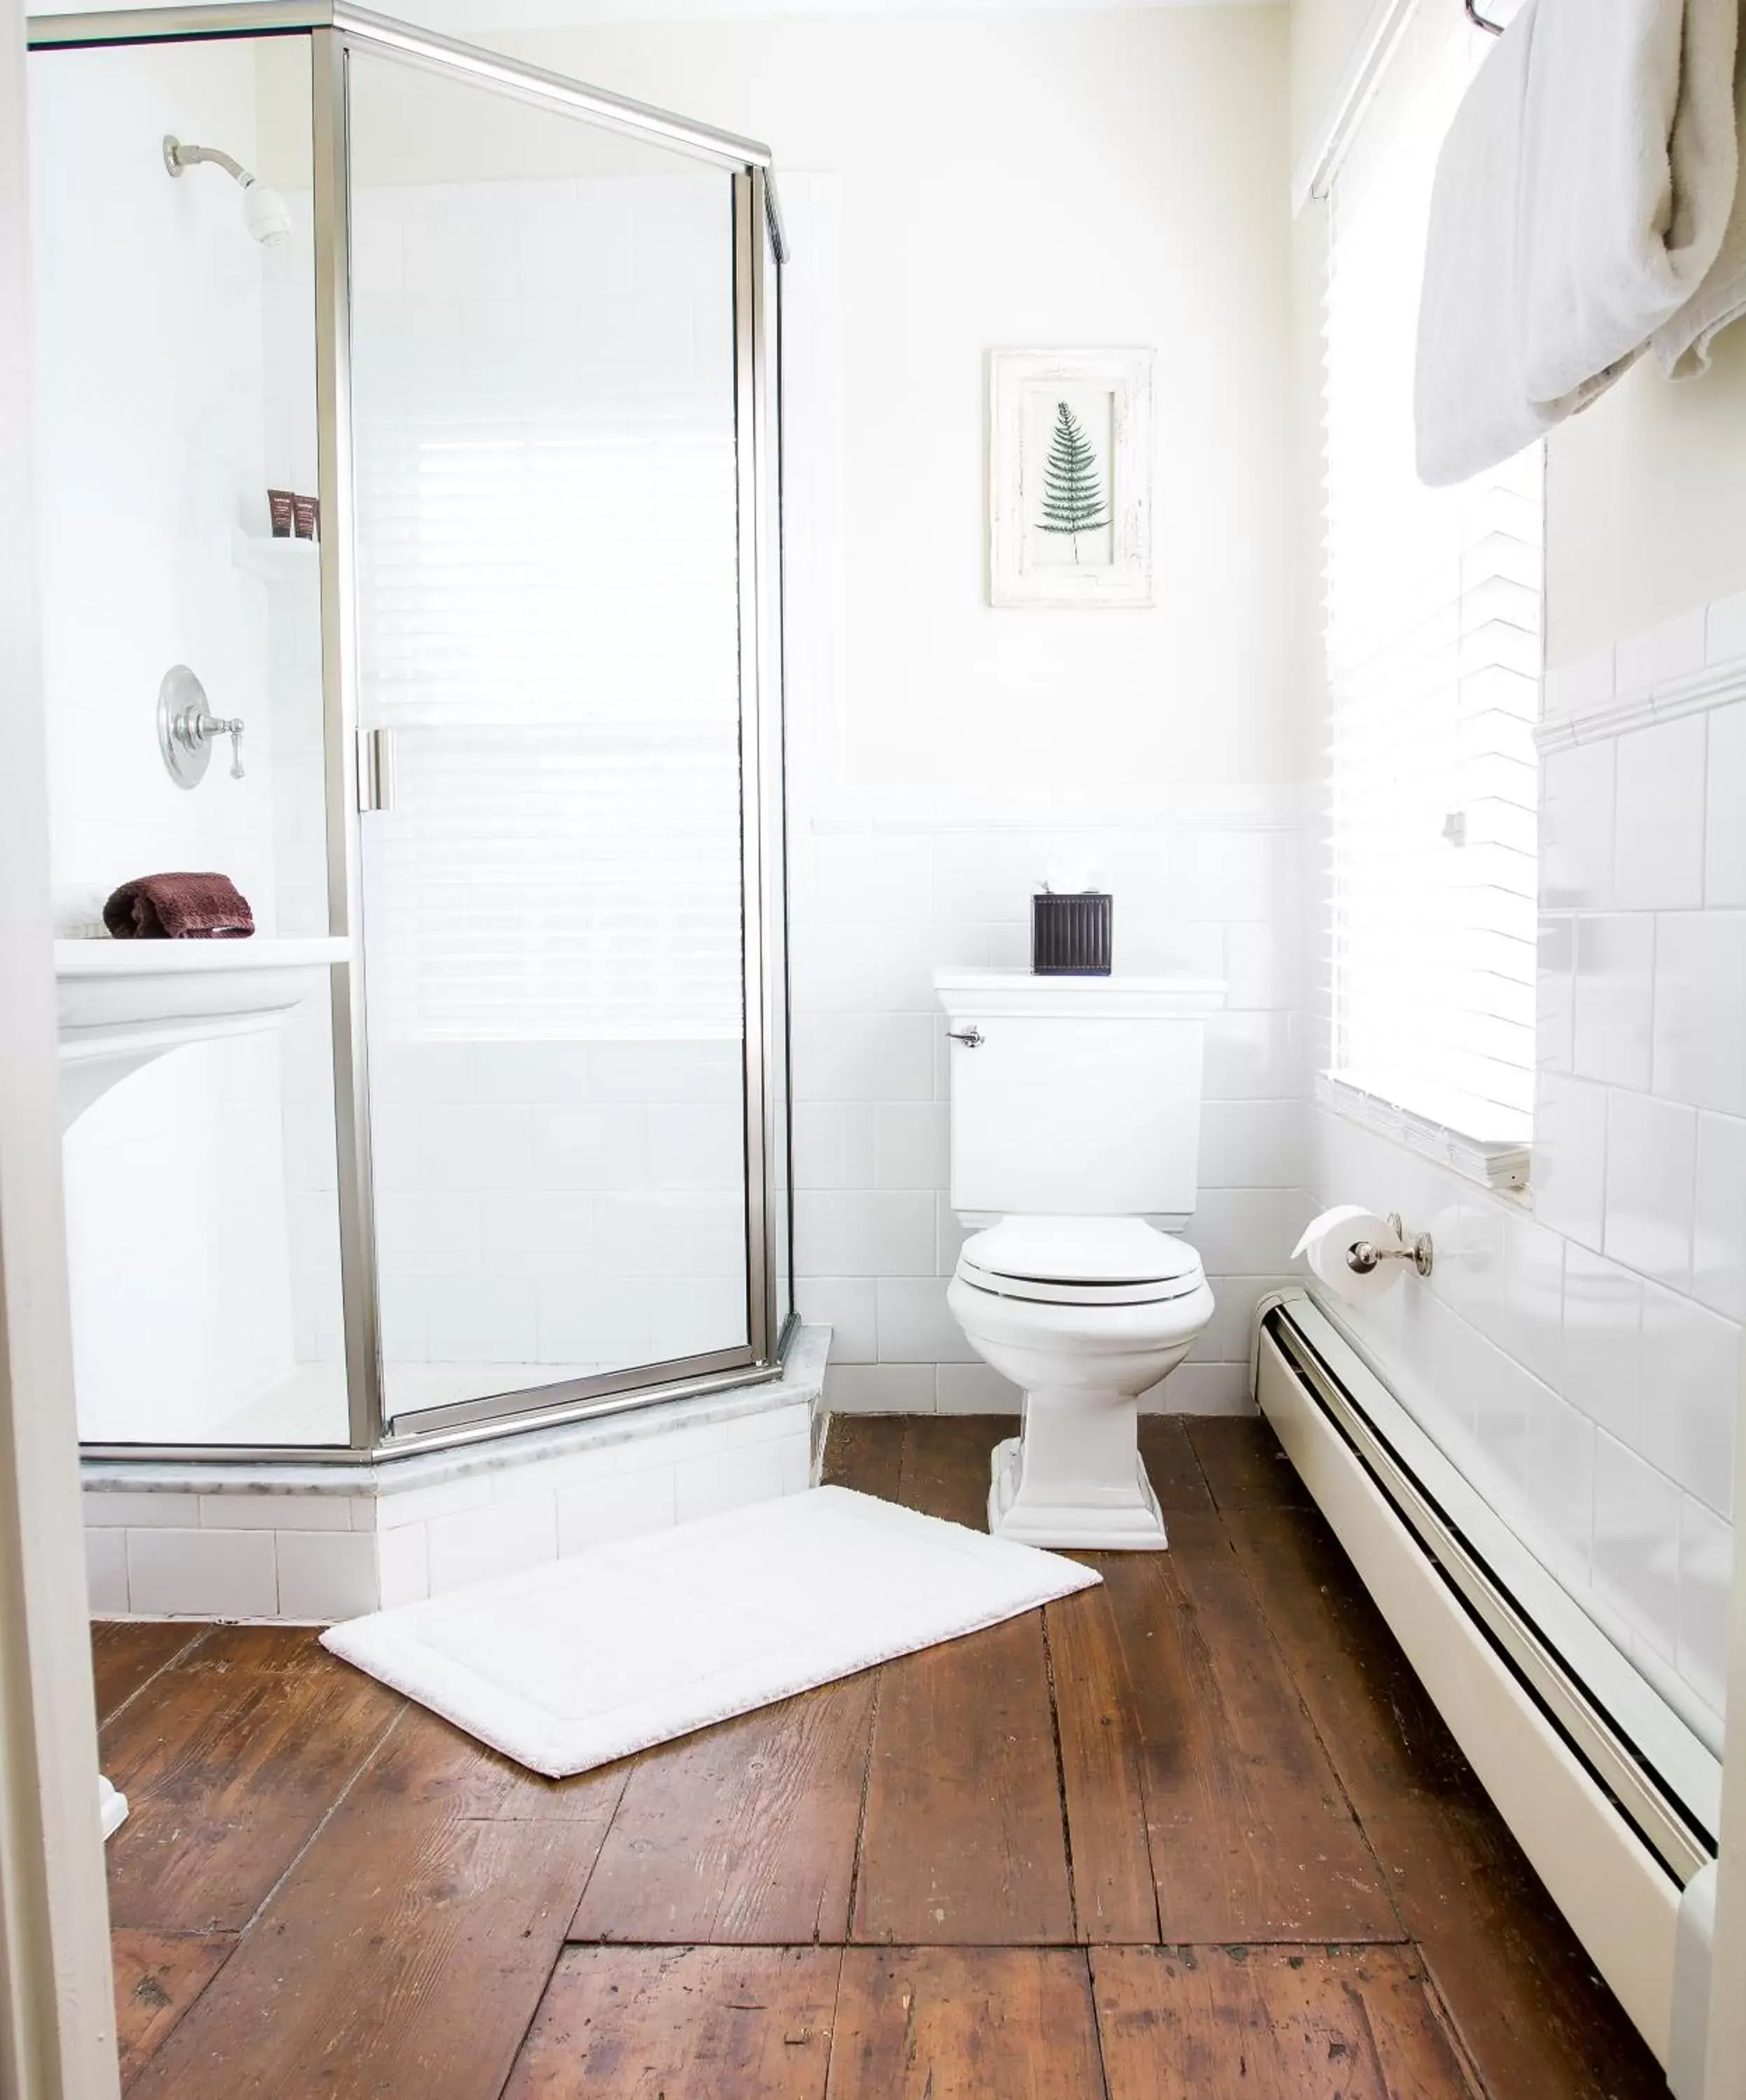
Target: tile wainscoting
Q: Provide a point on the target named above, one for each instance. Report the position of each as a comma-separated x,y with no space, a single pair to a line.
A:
1578,1350
571,1204
317,1543
879,903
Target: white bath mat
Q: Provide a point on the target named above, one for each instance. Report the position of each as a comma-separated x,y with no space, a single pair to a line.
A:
631,1644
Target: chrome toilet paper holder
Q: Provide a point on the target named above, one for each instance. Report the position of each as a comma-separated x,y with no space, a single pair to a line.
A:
1365,1256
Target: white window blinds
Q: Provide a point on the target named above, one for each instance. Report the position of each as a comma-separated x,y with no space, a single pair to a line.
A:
1432,627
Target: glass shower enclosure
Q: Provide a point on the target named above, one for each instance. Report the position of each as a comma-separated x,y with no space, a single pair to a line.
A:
510,691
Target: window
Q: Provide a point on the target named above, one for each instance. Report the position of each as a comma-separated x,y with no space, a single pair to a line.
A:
1432,632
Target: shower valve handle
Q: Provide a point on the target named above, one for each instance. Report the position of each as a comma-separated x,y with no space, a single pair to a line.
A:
194,726
212,726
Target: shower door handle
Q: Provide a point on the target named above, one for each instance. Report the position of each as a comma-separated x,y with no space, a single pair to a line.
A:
375,770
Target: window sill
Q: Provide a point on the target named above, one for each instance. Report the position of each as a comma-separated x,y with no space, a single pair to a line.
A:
1498,1161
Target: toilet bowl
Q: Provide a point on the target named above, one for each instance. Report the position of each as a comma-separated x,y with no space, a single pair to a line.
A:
1075,1116
1085,1314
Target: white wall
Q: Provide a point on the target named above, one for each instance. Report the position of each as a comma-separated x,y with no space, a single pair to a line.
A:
155,346
1324,34
550,1210
956,184
985,181
149,320
1014,178
875,1237
1644,519
1578,1350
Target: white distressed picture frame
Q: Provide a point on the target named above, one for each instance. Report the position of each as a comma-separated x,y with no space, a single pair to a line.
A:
1111,390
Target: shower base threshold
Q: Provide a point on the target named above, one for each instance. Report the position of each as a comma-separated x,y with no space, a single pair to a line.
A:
311,1406
309,1542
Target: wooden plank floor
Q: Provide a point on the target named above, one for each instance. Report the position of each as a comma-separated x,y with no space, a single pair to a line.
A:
1196,1831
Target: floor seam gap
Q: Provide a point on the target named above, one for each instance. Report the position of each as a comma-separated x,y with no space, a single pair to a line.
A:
1060,1778
1385,1880
861,1817
170,1663
600,1853
327,1816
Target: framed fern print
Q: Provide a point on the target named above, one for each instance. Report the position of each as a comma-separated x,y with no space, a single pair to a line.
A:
1070,462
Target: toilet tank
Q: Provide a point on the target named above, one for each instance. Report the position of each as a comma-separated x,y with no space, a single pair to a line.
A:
1075,1096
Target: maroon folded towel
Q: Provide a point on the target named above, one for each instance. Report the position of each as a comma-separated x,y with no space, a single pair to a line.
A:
179,908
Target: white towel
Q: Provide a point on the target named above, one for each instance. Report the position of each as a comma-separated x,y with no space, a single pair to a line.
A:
1471,403
1581,199
1630,161
1682,345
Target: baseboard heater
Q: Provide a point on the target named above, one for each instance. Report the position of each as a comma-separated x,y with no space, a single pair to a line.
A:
1613,1799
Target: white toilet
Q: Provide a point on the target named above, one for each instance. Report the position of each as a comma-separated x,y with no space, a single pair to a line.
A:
1076,1108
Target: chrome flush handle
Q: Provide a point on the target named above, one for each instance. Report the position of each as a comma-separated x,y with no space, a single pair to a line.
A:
971,1037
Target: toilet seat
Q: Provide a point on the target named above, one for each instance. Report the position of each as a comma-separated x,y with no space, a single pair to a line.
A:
1080,1261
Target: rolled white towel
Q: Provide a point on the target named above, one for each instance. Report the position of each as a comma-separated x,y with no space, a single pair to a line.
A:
1581,200
1682,345
1629,166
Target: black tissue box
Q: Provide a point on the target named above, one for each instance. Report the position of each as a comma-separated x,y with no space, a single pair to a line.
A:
1070,935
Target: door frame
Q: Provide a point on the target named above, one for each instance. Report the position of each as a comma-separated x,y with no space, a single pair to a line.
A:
57,1992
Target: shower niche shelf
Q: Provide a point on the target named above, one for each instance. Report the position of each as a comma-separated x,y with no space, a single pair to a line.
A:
121,1004
277,560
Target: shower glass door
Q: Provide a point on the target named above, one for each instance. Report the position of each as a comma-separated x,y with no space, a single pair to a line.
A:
543,377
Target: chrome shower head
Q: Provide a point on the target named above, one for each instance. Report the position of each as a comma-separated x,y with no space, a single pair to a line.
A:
264,212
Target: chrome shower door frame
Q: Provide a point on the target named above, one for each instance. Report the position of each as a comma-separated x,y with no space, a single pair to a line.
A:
753,224
334,33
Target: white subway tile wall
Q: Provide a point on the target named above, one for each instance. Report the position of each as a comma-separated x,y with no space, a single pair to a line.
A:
315,1555
327,1576
106,1572
558,1237
157,451
203,1574
1578,1351
1724,833
878,907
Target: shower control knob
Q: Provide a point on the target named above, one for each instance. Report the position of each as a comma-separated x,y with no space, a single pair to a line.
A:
187,729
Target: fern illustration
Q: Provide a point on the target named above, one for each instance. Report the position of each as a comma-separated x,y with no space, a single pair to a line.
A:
1072,497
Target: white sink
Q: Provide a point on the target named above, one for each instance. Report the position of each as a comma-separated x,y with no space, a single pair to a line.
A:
124,1003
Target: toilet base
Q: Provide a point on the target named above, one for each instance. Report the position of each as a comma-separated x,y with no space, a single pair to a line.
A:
1106,1517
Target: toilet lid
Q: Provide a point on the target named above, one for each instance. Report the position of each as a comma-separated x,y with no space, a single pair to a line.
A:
1121,1261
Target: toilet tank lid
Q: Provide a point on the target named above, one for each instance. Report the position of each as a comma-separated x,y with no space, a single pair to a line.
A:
1081,1250
974,994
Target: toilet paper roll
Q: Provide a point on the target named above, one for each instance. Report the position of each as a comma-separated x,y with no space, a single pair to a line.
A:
1329,1239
